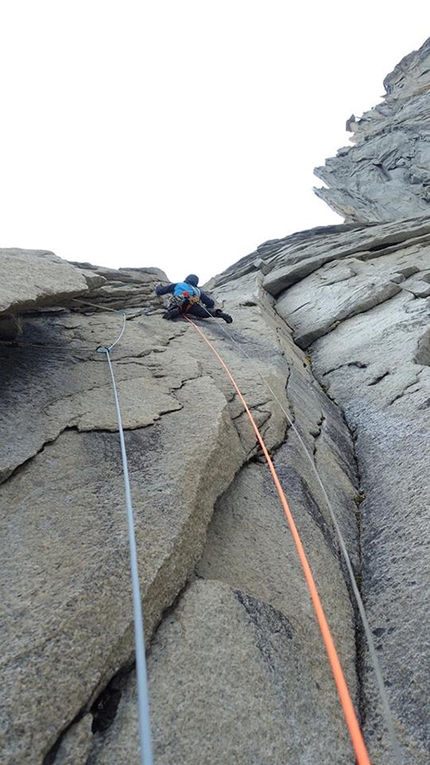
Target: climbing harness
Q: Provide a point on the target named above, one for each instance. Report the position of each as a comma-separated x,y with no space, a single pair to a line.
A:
184,296
141,671
339,678
358,599
184,301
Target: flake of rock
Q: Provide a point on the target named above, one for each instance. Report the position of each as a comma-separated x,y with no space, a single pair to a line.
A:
418,287
45,390
225,672
35,278
143,401
123,288
67,622
293,262
317,304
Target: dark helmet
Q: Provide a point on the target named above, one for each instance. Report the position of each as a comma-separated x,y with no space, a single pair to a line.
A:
192,279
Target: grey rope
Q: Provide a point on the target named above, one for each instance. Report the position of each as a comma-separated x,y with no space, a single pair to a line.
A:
369,637
141,671
121,333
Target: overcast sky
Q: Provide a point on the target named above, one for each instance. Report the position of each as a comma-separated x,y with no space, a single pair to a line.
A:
182,133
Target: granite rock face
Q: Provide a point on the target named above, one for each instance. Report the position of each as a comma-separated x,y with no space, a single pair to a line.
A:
224,670
357,302
386,174
331,347
68,683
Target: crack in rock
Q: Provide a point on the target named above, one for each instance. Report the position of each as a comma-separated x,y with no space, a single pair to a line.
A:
7,474
379,378
356,364
406,390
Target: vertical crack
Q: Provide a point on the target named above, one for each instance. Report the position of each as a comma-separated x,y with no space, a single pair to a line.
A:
359,628
359,497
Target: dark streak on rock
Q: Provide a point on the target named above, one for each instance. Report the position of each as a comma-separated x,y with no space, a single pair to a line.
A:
266,620
378,379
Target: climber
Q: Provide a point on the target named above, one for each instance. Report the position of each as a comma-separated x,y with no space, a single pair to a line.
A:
188,298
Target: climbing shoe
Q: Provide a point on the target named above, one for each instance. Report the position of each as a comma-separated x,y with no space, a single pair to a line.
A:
172,313
225,316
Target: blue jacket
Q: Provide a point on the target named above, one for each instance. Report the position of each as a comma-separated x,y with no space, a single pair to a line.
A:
171,288
181,287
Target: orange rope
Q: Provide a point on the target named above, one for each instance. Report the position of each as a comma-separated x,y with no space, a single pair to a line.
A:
339,678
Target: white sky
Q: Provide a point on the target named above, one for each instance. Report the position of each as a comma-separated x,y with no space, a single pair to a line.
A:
182,133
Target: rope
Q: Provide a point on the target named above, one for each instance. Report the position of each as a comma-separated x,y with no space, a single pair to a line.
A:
369,637
339,678
388,716
124,319
139,637
141,672
66,348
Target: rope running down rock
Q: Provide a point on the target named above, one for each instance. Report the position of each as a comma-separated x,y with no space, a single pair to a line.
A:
141,671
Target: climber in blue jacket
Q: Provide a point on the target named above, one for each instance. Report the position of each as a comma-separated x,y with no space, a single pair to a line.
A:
187,298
